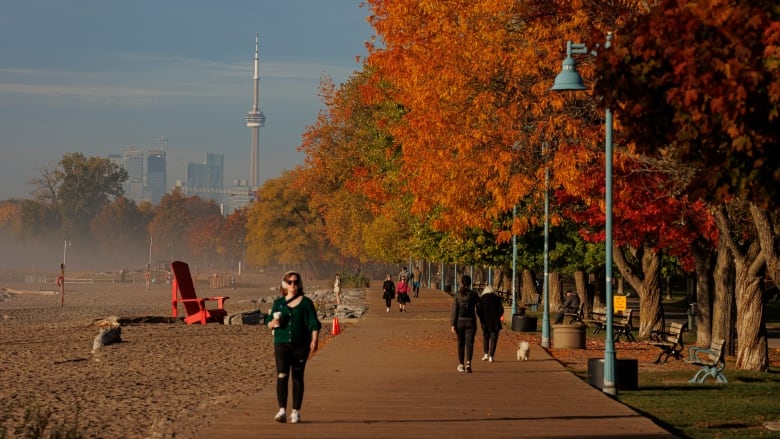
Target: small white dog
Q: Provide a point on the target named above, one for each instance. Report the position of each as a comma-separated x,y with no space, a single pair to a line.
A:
523,349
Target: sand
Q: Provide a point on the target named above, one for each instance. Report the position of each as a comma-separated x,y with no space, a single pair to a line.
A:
165,379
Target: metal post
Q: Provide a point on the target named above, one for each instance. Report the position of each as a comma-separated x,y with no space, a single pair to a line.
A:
609,344
546,280
514,263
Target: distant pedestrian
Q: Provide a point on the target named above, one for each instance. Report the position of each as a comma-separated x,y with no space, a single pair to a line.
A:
337,288
491,310
403,274
296,329
465,306
416,281
402,292
388,291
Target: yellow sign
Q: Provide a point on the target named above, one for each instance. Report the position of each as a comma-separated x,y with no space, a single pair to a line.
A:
619,303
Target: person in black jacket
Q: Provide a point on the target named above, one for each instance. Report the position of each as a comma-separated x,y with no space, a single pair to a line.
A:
491,310
464,322
388,291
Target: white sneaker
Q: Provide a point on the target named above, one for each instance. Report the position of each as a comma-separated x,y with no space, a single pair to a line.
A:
468,367
281,416
295,417
460,368
485,357
490,360
388,309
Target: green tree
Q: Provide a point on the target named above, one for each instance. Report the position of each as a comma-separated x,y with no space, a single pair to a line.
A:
87,185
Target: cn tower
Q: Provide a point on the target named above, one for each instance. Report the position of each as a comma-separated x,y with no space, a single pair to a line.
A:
255,119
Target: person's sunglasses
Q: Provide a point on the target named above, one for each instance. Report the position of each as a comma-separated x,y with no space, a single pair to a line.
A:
291,281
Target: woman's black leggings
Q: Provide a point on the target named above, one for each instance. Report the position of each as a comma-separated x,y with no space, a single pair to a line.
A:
388,301
290,357
465,330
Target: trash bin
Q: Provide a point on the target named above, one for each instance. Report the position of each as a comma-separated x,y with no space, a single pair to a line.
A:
524,323
626,373
448,288
568,336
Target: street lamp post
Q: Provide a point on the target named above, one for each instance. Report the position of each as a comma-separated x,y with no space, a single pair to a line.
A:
570,79
546,280
514,264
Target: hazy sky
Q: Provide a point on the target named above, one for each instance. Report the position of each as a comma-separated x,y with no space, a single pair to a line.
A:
97,76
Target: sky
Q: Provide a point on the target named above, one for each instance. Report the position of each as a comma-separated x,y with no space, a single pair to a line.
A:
99,76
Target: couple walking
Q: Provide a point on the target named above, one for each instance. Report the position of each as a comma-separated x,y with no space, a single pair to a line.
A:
390,290
466,307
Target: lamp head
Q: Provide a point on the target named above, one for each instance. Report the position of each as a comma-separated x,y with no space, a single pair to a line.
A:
569,78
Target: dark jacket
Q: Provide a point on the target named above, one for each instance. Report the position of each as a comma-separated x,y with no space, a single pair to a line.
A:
490,311
388,290
464,305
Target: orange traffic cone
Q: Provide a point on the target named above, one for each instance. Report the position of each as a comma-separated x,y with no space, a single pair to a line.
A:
336,329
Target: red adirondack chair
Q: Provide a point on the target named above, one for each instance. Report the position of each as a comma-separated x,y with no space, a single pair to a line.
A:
194,307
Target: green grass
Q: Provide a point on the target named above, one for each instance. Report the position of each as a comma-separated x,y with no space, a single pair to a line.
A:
734,410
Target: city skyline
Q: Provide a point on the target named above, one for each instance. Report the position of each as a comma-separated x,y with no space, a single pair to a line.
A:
102,77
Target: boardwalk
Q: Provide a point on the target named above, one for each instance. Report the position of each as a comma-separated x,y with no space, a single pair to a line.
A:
392,375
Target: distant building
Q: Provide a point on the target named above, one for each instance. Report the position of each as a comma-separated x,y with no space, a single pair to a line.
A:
156,176
133,163
241,195
206,179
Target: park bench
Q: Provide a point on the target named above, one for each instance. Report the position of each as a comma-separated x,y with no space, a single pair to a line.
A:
710,360
623,327
670,342
575,316
621,324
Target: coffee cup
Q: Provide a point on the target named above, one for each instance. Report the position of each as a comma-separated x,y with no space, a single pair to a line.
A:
277,315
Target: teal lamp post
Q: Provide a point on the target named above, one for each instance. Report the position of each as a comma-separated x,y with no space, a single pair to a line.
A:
569,79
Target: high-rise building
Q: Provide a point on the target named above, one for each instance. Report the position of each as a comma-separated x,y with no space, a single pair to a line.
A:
206,179
255,119
156,175
133,163
240,195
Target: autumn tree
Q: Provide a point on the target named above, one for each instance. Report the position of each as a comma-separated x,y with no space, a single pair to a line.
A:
697,82
232,237
120,231
282,229
173,219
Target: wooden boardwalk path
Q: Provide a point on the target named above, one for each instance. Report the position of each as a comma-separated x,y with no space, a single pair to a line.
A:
391,375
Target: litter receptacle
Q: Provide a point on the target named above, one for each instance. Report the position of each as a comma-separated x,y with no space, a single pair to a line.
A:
626,373
524,323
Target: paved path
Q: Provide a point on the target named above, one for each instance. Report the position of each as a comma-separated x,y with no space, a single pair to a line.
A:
392,375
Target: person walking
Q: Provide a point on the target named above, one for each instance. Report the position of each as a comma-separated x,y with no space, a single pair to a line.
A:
388,291
402,291
491,309
296,329
337,289
417,273
465,305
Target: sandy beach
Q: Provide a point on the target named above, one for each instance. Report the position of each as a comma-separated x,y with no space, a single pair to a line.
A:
164,380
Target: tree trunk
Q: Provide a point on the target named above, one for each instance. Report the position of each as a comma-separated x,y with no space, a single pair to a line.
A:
556,291
723,300
644,279
752,349
749,263
703,258
528,287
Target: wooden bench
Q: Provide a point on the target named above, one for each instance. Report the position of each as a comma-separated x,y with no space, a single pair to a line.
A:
575,316
621,325
710,360
670,342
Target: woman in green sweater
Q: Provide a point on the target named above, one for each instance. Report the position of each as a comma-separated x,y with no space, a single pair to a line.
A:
296,329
